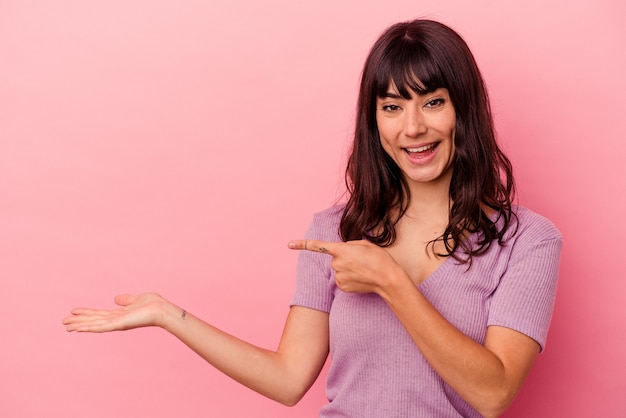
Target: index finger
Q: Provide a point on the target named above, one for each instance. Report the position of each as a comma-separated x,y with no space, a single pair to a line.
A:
313,245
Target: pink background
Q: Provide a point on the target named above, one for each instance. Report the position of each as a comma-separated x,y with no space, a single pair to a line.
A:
176,146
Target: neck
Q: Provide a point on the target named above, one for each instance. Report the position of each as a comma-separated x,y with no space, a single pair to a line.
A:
430,200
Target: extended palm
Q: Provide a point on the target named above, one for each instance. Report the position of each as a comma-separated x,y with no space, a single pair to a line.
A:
136,311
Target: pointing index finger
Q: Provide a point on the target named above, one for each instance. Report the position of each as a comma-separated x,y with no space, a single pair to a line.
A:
312,245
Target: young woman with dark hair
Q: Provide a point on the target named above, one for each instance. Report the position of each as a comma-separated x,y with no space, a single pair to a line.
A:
430,289
421,57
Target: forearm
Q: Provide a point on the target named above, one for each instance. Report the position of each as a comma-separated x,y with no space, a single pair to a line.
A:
261,370
264,371
479,375
284,375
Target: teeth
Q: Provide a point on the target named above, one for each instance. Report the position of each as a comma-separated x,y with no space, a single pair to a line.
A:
421,149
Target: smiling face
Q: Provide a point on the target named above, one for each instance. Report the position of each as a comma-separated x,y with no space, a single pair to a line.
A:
418,134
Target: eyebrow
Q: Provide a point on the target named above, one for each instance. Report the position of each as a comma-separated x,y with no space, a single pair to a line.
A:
391,95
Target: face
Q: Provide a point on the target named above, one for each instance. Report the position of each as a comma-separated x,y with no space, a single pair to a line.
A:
418,134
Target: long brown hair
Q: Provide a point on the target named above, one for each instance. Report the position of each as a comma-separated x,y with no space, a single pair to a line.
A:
424,55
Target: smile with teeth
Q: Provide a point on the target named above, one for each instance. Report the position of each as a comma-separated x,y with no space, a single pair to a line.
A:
422,149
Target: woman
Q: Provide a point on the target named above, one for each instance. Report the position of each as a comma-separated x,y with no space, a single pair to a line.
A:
430,289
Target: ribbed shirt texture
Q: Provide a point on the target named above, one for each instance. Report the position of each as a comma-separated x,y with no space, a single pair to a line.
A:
376,370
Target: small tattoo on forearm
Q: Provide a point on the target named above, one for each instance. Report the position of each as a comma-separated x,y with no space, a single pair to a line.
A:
323,250
183,315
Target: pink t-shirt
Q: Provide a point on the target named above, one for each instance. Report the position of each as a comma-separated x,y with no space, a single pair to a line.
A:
376,369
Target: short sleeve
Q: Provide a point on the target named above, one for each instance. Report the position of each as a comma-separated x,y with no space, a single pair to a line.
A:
315,284
524,298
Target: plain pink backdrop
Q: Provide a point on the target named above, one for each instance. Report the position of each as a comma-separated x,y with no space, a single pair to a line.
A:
176,146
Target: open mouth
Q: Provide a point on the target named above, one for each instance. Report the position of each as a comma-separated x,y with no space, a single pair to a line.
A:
423,150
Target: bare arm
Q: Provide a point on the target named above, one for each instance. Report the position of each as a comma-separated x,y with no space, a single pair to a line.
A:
487,376
283,375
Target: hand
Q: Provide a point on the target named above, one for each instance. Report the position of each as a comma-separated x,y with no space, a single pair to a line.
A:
137,311
360,266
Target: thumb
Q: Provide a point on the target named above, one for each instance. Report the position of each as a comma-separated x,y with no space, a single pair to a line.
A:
125,299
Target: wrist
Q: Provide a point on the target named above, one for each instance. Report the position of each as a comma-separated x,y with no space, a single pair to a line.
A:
396,283
170,315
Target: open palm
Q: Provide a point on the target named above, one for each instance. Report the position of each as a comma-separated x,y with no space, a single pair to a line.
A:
136,311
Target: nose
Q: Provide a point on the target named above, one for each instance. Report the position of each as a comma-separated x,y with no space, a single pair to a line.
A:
414,124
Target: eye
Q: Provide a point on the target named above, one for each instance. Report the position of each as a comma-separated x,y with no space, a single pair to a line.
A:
435,102
390,107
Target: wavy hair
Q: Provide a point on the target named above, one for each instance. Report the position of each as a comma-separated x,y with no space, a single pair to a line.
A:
422,56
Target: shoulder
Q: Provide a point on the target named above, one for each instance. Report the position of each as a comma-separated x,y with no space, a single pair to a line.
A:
533,226
325,224
332,213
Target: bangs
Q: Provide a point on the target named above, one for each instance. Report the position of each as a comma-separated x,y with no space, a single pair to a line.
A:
410,67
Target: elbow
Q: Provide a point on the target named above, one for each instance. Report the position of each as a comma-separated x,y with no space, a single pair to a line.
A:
293,390
493,413
496,403
284,396
290,398
290,394
290,402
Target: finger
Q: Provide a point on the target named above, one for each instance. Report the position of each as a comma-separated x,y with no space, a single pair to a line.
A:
125,300
97,321
76,320
313,245
69,320
99,325
89,312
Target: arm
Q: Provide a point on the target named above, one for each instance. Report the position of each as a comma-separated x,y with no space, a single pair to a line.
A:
283,375
487,376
